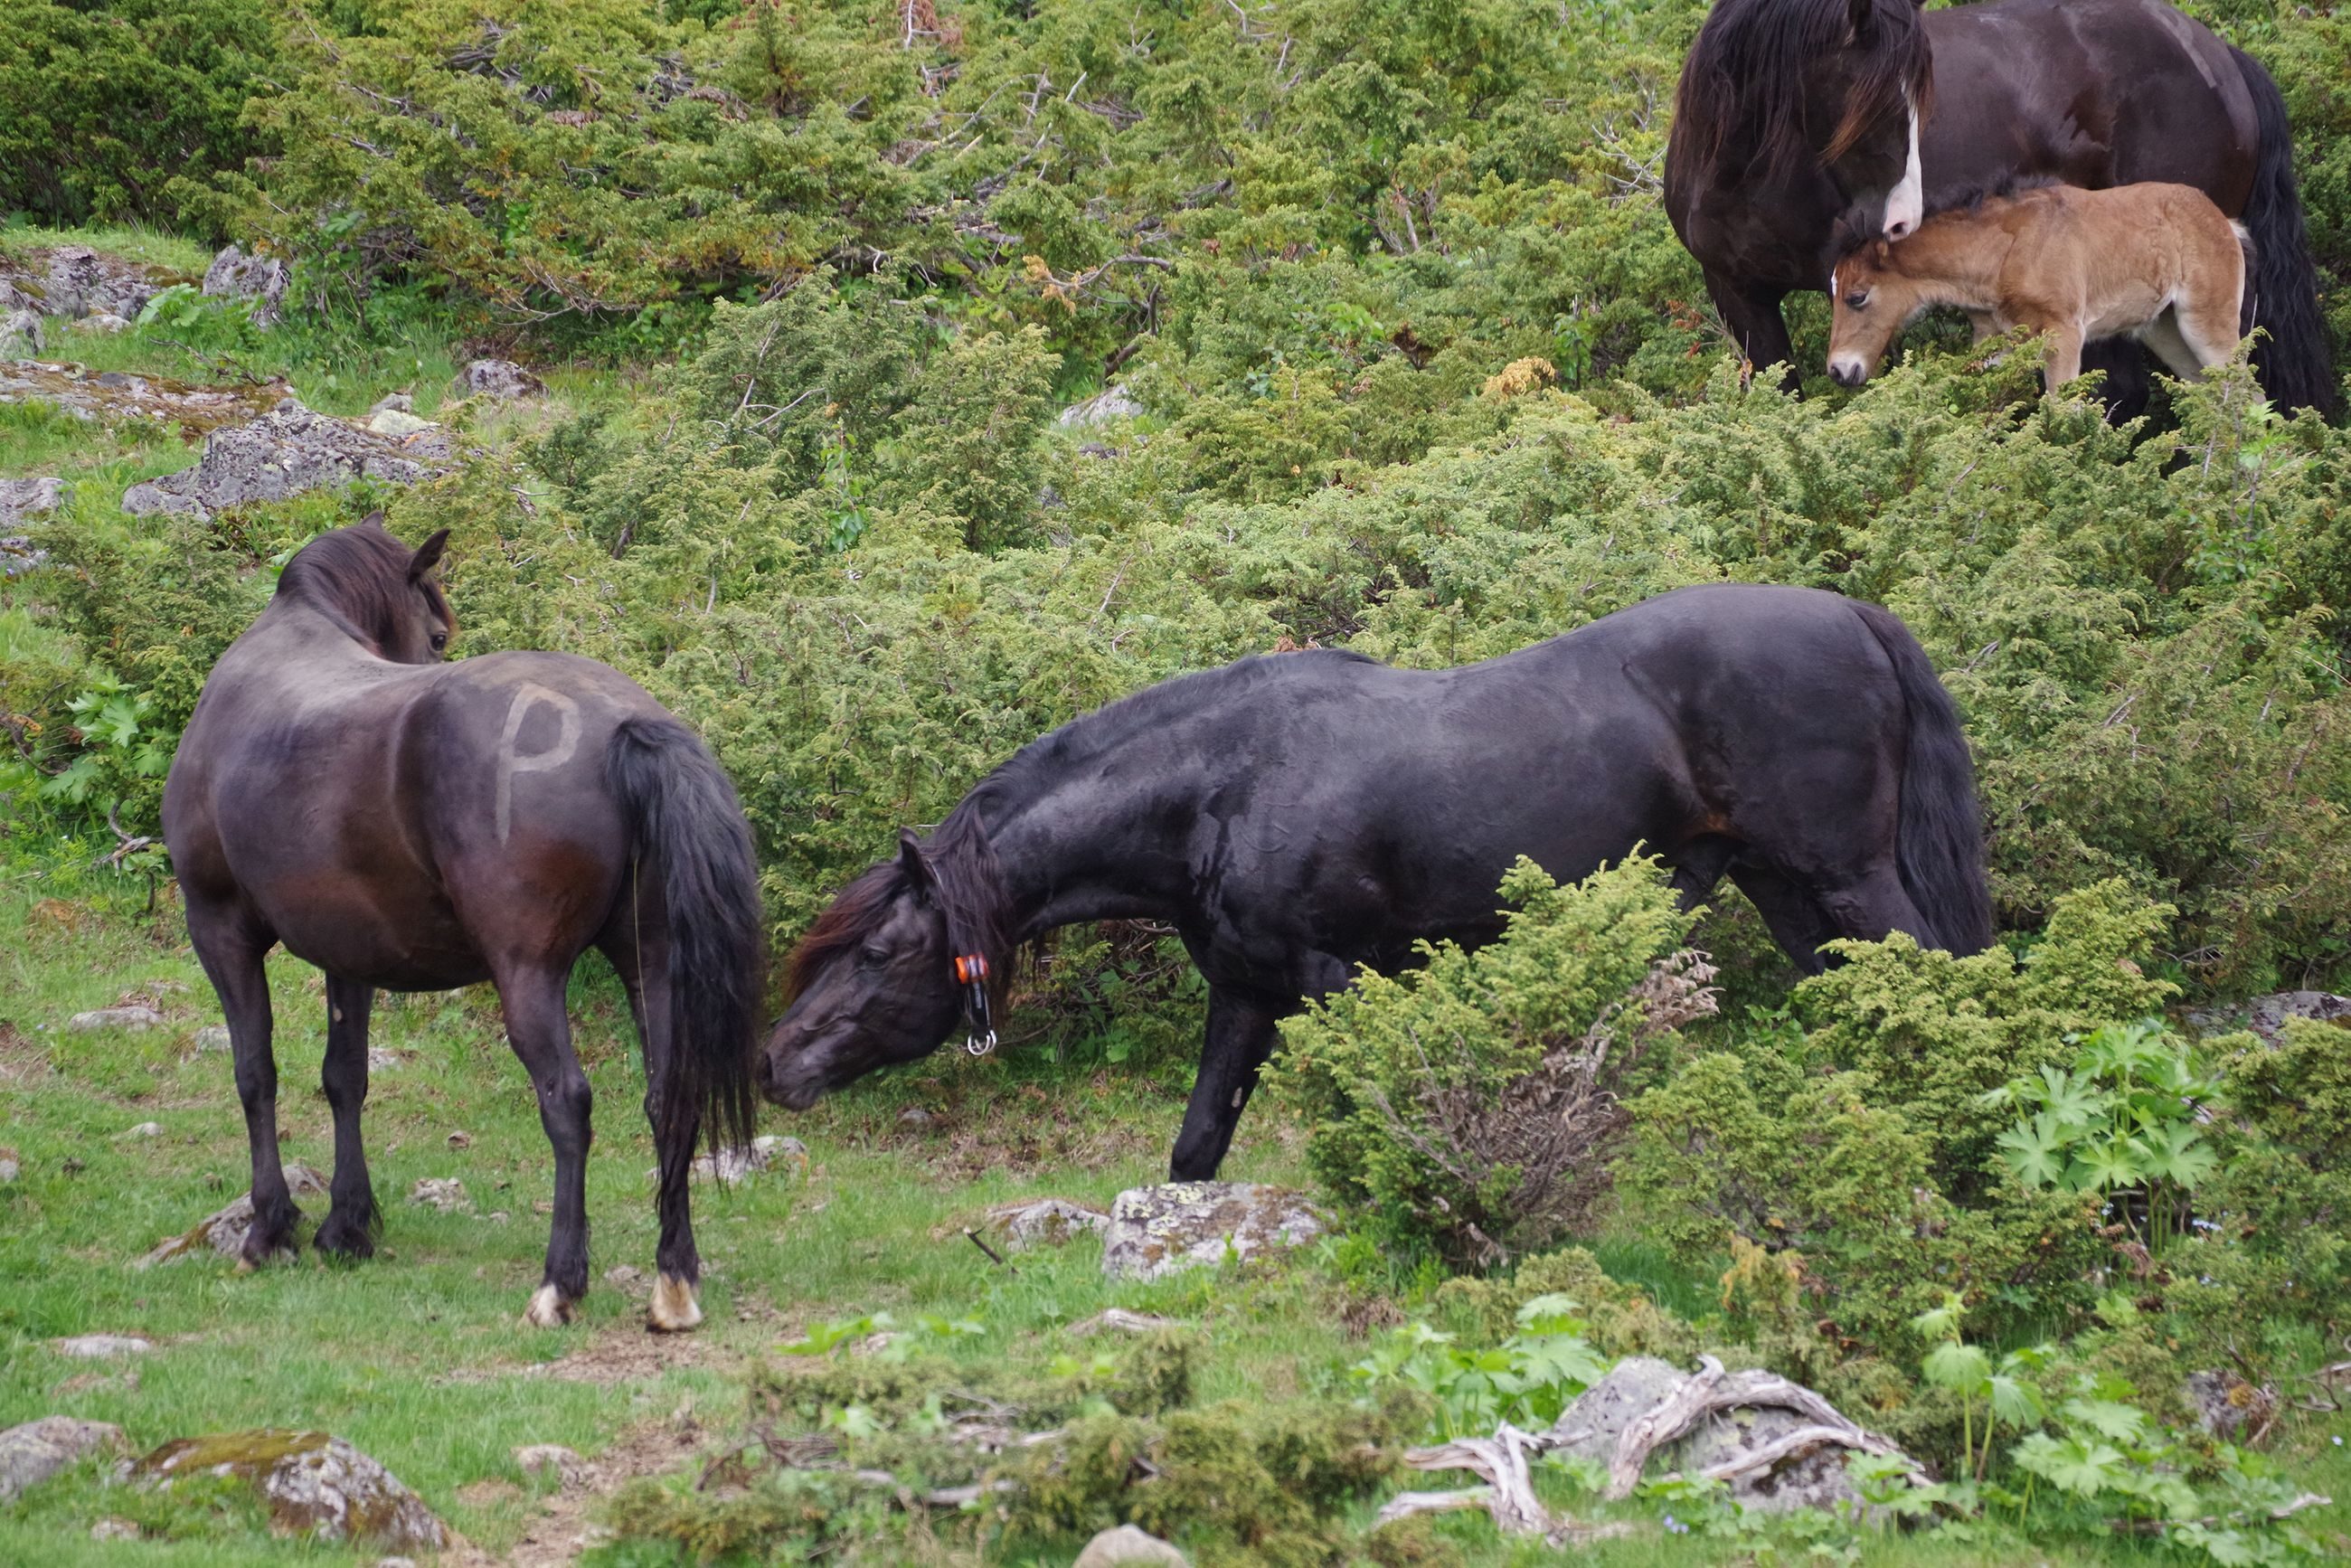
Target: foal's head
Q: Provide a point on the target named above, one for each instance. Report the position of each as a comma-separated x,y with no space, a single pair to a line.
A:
386,596
1873,299
875,982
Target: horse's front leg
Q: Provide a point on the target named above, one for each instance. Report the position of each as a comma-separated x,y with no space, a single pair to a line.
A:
352,1218
1751,312
232,953
540,1033
1241,1032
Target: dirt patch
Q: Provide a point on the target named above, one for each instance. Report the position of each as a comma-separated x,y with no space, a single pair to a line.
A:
562,1529
633,1355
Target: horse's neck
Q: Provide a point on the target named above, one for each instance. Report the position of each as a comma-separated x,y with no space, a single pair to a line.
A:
1078,848
1952,264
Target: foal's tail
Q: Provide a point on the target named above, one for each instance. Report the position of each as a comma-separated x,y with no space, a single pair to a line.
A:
1938,840
2292,362
689,831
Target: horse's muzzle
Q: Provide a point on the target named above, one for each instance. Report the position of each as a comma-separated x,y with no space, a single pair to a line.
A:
1848,372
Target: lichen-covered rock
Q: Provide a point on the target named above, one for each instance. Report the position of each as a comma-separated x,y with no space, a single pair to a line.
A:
1157,1230
447,1194
20,333
213,1036
313,1483
82,282
236,275
32,1453
739,1161
501,380
1129,1546
101,1346
286,452
1044,1221
553,1461
2225,1403
2266,1016
22,498
133,1017
224,1230
1112,402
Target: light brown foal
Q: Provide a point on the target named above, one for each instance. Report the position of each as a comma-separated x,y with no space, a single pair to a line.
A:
2158,262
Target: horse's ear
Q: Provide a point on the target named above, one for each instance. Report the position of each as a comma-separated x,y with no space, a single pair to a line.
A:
1884,254
1863,15
916,865
428,556
374,519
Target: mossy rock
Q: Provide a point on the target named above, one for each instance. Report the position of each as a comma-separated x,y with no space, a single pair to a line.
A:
314,1484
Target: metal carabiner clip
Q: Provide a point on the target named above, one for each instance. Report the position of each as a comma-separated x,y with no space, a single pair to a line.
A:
979,1045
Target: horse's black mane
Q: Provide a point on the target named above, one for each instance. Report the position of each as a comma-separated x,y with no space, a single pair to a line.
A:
968,883
1748,71
358,578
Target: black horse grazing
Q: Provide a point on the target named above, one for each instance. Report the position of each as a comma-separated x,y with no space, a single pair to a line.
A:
414,826
1793,112
1295,815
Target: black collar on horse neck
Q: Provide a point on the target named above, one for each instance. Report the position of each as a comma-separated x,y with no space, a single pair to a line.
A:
971,973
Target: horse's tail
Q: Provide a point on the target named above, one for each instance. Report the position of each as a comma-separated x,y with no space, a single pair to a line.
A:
688,831
2284,286
1938,839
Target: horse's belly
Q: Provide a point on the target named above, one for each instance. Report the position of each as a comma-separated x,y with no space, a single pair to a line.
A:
352,927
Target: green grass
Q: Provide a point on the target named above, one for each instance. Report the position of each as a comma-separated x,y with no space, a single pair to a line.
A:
137,241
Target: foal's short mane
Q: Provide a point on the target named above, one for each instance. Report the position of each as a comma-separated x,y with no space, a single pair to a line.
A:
1748,72
358,578
1852,231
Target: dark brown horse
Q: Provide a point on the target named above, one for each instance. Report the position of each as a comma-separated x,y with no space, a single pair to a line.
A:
408,825
1296,815
1794,113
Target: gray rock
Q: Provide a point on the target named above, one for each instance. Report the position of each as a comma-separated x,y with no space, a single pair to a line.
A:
114,1529
18,556
383,1058
22,498
1637,1384
2226,1403
398,400
224,1230
556,1463
1050,1222
447,1194
211,1038
81,283
146,1130
501,379
101,1346
103,322
32,1453
2266,1016
236,275
1127,1545
313,1483
114,1018
1158,1230
398,423
735,1164
1112,402
1124,1321
286,452
8,1167
20,334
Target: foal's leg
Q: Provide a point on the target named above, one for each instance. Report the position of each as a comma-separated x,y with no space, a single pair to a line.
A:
678,1266
541,1032
232,953
1240,1037
2064,354
353,1219
2162,335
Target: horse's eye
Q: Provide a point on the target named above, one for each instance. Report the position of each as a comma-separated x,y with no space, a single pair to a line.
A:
874,955
439,641
1856,301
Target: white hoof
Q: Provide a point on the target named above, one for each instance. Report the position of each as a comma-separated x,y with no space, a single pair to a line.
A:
547,1309
674,1310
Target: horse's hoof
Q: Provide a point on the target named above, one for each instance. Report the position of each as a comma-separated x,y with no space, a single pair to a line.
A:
547,1309
674,1310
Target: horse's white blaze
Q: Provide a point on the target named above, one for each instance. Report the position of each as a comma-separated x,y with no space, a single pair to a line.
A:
1907,203
674,1310
547,1309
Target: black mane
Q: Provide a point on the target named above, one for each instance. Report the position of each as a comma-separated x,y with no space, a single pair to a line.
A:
357,577
1748,71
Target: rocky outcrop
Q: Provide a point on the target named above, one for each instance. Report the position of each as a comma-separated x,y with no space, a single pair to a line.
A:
22,498
501,381
1112,402
224,1230
313,1483
286,452
261,279
32,1453
20,333
1044,1221
83,282
1159,1231
2266,1016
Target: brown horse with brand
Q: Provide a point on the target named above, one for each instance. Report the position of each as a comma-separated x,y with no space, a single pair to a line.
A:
414,826
2158,263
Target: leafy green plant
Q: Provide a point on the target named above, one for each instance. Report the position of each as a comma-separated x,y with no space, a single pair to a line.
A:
2003,1388
1526,1380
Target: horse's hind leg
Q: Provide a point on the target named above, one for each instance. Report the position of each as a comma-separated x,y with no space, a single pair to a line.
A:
352,1218
540,1033
677,1265
232,953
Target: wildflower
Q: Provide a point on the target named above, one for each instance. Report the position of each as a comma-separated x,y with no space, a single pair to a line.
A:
1675,1527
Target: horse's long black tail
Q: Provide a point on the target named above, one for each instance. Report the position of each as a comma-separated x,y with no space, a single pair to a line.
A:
2293,360
1938,842
690,832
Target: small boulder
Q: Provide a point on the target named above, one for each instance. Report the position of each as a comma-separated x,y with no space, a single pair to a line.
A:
114,1018
81,283
554,1462
20,334
501,380
314,1484
32,1453
1047,1221
213,1038
103,322
1129,1546
224,1230
2225,1403
8,1167
1158,1230
146,1130
287,452
1112,402
734,1163
22,498
114,1529
447,1194
236,275
2266,1016
101,1346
